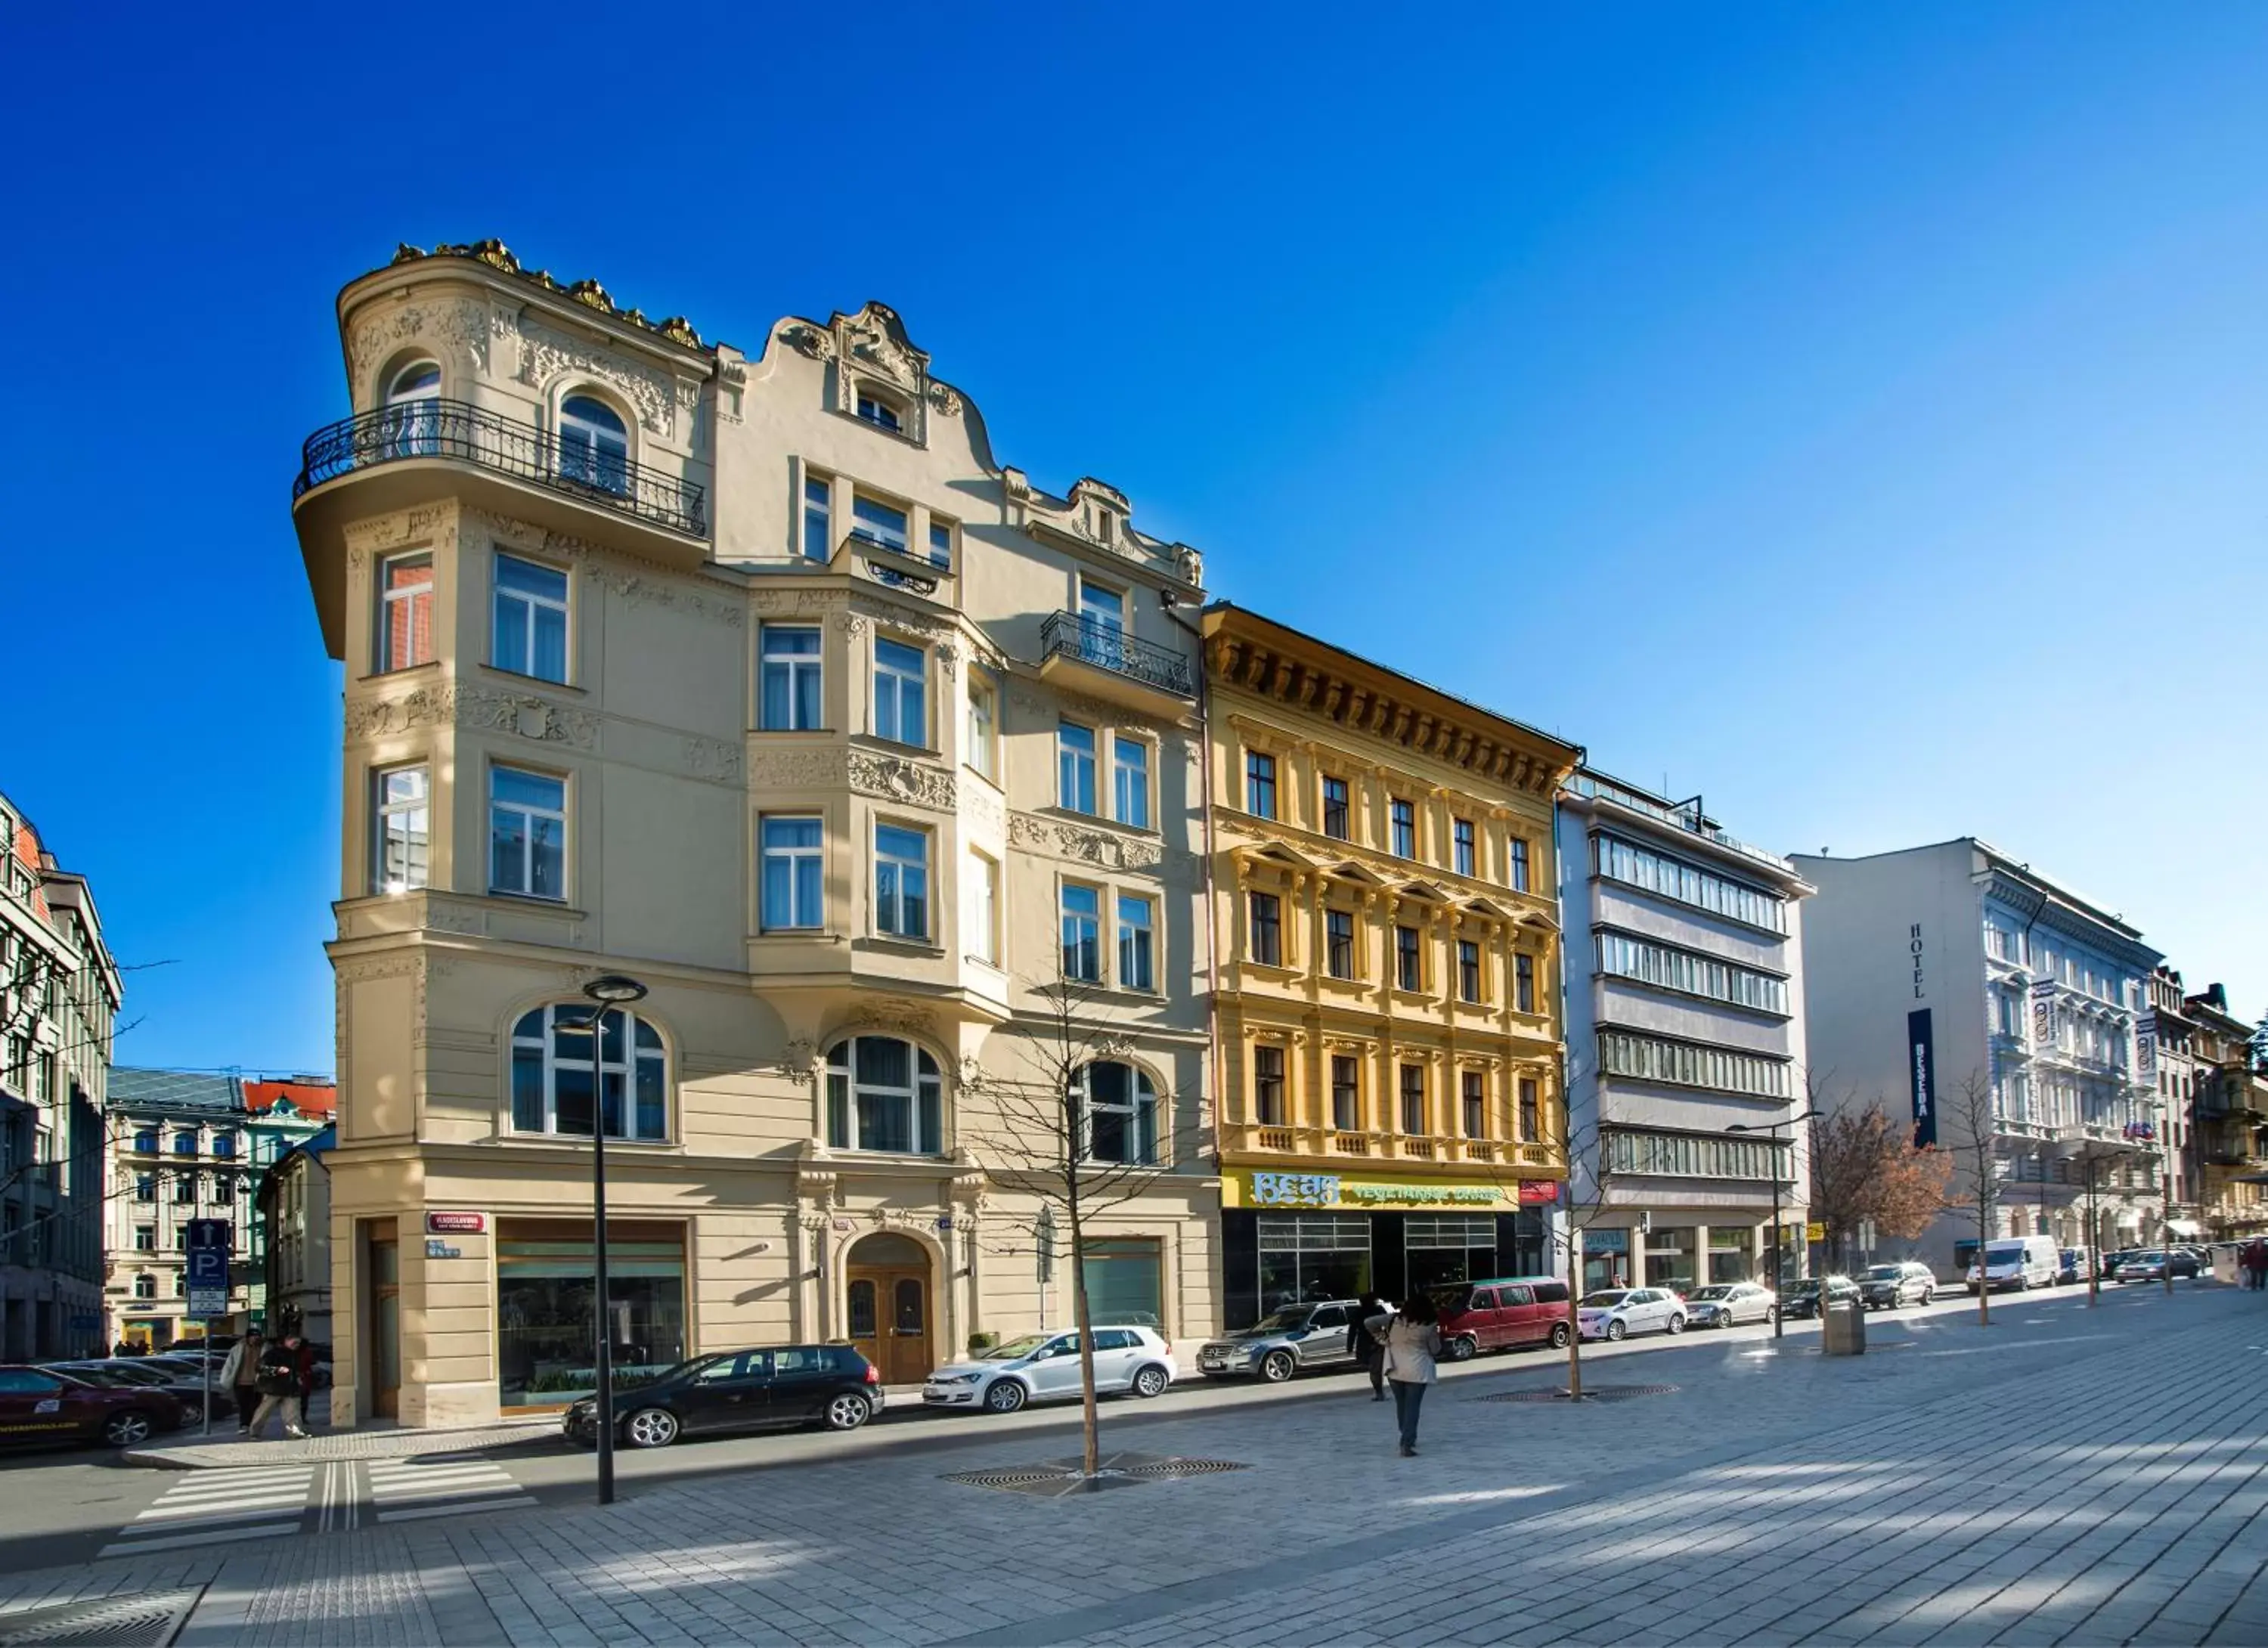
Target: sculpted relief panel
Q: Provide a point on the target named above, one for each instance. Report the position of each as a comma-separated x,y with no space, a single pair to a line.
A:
449,703
458,329
545,353
1105,850
897,778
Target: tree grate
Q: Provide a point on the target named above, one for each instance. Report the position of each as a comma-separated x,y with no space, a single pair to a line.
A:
1057,1479
1591,1392
147,1619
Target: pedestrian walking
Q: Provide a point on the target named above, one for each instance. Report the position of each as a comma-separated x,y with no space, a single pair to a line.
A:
241,1374
1365,1346
1413,1340
286,1369
2254,1261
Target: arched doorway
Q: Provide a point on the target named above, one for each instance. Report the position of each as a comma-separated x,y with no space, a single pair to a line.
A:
890,1304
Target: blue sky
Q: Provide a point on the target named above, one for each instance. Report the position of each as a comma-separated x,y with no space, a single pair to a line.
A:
1859,416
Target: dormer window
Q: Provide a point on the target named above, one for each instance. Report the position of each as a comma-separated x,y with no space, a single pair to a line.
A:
594,445
879,411
878,524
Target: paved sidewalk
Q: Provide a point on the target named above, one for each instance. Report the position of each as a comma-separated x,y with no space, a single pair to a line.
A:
2069,1475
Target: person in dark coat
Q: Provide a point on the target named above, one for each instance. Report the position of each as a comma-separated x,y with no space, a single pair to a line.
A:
1363,1345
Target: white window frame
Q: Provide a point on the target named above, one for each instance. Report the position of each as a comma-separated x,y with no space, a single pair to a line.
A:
385,810
886,414
1110,613
1130,781
890,908
1088,935
904,687
880,534
641,1046
985,906
531,604
797,669
1079,773
983,753
806,867
1137,943
924,1098
408,595
528,814
1140,1110
818,541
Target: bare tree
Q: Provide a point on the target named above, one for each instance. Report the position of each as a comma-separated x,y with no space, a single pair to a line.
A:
1585,1151
1971,1111
1072,1128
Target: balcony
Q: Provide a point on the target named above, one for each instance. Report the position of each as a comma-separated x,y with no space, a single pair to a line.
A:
1086,655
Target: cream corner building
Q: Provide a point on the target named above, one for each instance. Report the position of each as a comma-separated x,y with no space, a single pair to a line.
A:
756,677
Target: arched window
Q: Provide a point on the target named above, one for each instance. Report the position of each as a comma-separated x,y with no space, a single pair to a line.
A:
146,1141
594,444
412,424
1119,1120
884,1094
879,409
556,1082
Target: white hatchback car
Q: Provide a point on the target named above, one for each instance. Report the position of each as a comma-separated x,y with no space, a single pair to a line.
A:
1044,1367
1618,1313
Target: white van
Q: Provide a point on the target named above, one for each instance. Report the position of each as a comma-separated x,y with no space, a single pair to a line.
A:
2019,1262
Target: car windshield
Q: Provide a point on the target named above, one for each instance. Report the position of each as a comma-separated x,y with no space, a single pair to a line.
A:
1606,1300
1711,1291
1882,1273
2148,1256
1808,1285
1022,1346
1284,1321
2005,1253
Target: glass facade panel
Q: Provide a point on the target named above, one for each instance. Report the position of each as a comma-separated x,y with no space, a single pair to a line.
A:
1125,1282
1312,1256
547,1316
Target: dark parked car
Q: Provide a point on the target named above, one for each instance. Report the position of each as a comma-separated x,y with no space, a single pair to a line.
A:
1802,1299
741,1390
2076,1265
39,1406
2150,1264
1887,1286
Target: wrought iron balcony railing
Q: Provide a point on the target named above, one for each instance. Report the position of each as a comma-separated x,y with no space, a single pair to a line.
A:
1089,640
471,434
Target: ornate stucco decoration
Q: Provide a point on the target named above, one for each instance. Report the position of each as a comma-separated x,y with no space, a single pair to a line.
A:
795,769
713,759
433,524
545,353
620,575
797,602
451,703
589,293
1104,848
899,778
458,328
796,1060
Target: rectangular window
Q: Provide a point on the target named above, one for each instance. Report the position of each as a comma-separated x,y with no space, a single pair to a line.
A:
527,834
1268,1085
794,874
1137,968
900,882
1346,1098
1692,972
1265,941
1681,883
983,909
400,806
1530,1121
818,496
1637,1150
940,544
1100,605
1408,971
1082,933
790,695
1074,766
1405,828
1523,982
879,413
1338,943
185,1188
145,1238
1519,865
1691,1064
1461,835
984,724
1129,782
1260,784
531,619
1476,1104
900,710
1335,808
878,524
1469,970
1413,1101
145,1188
405,619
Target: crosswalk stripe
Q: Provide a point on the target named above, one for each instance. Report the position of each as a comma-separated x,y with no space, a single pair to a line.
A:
222,1490
400,1484
456,1507
247,1505
213,1536
272,1473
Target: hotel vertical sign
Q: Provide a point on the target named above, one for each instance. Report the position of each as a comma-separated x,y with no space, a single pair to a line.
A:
1921,1070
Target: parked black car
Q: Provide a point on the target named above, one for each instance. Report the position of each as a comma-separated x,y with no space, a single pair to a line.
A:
741,1390
1902,1282
1803,1298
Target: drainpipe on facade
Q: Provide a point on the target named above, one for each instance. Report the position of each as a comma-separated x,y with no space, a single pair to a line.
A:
1211,917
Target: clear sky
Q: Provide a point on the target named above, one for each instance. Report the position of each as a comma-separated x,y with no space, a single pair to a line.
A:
1858,415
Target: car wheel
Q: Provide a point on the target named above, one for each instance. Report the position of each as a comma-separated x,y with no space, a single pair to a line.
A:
1151,1381
1462,1349
650,1427
1560,1335
1928,1294
848,1411
1615,1330
1004,1396
129,1428
1677,1324
1276,1366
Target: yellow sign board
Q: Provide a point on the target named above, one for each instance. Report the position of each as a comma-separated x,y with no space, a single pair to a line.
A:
1262,1190
1814,1231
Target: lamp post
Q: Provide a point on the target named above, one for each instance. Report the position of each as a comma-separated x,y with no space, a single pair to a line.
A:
1773,1128
610,989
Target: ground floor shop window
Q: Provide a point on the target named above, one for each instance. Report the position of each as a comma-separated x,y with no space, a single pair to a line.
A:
1732,1255
1125,1282
1669,1257
1606,1259
1448,1247
547,1299
1310,1257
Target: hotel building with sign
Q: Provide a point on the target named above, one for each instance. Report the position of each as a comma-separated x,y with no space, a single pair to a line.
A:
756,677
1685,1040
1951,967
1387,1002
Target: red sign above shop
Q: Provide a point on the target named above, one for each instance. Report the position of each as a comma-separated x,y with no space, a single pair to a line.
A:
456,1223
1534,1190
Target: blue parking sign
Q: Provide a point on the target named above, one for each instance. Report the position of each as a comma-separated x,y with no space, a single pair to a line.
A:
207,1267
213,1233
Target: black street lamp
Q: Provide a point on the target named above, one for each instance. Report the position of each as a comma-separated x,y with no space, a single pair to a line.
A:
1773,1128
610,989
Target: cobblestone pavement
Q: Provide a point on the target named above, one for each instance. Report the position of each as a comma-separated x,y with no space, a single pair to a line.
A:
2090,1475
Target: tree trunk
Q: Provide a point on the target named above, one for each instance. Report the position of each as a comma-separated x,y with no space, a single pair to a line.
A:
1090,1416
1574,1304
1983,1242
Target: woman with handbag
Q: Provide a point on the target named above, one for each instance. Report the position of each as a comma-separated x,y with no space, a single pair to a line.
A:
282,1387
1412,1341
240,1374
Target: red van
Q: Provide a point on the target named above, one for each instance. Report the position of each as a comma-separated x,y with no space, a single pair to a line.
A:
1477,1316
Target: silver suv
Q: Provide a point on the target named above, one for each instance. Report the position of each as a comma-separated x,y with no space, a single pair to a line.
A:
1283,1343
1887,1286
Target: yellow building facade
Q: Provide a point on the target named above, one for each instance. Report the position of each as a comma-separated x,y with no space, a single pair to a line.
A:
754,676
1386,949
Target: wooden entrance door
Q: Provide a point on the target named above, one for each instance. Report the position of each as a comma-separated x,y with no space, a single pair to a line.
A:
889,1308
384,1323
